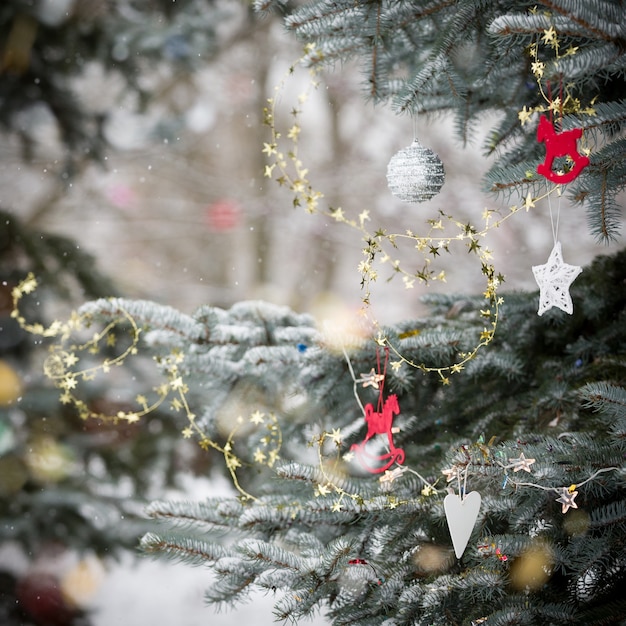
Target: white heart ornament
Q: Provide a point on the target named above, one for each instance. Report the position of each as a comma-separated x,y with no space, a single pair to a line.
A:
461,516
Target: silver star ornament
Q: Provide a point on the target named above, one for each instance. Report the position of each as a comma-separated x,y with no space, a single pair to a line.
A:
371,379
522,463
554,280
567,499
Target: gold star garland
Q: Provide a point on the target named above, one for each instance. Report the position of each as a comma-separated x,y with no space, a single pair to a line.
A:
479,457
329,484
70,363
564,102
444,231
66,368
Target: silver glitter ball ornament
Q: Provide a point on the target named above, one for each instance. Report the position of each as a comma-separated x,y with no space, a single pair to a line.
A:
415,174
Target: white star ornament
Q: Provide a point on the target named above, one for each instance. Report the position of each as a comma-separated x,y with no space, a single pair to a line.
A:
554,280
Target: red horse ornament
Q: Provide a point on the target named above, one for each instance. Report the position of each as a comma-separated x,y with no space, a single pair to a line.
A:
380,423
560,145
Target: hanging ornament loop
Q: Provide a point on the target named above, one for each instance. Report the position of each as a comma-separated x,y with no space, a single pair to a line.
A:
555,277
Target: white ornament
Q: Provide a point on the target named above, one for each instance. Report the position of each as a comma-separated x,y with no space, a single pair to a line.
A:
554,280
461,515
415,174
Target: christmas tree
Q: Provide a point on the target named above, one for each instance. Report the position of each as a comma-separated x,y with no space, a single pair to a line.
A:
466,468
533,422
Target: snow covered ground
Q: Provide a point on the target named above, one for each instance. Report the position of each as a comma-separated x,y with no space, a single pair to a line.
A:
140,592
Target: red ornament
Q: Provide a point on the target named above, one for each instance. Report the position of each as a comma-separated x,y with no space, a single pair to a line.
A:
559,145
223,215
380,423
40,596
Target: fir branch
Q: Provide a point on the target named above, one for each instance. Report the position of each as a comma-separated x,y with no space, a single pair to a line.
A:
430,71
270,555
603,212
406,15
213,514
603,21
230,588
498,363
279,515
587,65
376,43
605,398
146,314
518,179
604,614
526,26
299,602
610,517
183,549
610,117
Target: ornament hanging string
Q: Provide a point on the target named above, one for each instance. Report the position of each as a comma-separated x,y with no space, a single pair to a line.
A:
555,231
555,225
463,489
381,388
551,103
354,380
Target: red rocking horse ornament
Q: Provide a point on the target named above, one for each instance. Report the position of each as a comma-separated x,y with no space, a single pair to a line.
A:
559,145
380,423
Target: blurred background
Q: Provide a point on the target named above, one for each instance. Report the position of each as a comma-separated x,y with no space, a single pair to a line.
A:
131,164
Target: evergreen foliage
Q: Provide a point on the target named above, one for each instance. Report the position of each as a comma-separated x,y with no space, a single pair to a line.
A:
48,47
324,535
61,477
